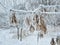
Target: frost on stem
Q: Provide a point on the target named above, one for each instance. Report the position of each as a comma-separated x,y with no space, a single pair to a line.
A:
27,21
14,18
36,19
21,35
17,31
32,29
14,21
42,26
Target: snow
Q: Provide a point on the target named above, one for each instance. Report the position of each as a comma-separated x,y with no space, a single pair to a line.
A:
26,8
7,37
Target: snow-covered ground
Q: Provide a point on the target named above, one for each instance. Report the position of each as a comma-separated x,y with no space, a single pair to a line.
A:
8,37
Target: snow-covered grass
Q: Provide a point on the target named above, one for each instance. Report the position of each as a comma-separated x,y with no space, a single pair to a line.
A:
7,38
